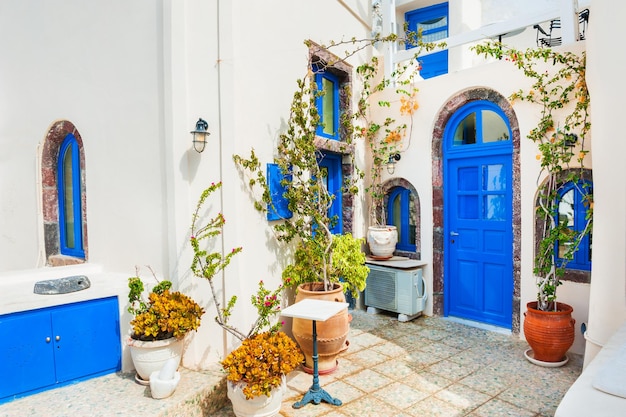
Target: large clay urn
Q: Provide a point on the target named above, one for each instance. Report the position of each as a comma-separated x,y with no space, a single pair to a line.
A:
382,241
331,334
549,333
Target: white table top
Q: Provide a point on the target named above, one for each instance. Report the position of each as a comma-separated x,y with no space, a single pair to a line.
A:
319,310
397,262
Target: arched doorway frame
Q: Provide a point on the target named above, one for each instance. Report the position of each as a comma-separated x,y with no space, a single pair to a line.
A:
449,108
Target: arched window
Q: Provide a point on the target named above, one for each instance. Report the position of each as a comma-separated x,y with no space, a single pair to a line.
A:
69,192
572,211
401,212
64,196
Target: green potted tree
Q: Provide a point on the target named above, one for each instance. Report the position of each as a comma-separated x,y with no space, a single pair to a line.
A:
560,91
257,368
159,325
325,264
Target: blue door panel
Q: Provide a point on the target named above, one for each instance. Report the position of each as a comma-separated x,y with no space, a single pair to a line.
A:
87,343
26,356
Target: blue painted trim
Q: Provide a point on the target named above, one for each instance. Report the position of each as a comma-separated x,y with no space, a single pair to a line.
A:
70,143
279,209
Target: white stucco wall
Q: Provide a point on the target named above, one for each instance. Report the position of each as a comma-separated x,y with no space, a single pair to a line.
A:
604,76
134,76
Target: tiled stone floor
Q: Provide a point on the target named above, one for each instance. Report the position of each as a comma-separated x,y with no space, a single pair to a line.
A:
425,367
432,367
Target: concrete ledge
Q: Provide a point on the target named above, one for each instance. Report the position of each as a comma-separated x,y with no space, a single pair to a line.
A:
200,393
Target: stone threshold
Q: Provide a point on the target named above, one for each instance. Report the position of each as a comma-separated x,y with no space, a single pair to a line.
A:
199,393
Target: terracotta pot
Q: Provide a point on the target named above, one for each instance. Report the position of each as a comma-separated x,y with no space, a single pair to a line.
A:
549,333
331,334
382,241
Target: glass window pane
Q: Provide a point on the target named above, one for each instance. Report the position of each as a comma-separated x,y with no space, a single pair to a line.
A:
397,215
494,207
494,127
566,208
68,198
494,178
328,110
434,29
465,133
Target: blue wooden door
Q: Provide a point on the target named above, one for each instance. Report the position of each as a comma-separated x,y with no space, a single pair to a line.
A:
478,235
479,239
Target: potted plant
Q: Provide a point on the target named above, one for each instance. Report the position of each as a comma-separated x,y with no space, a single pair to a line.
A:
256,369
324,262
385,137
159,325
560,137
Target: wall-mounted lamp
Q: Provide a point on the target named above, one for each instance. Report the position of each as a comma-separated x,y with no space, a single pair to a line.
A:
570,139
199,135
391,164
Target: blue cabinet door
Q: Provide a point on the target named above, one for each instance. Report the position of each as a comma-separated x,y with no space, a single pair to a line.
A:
88,342
55,346
26,354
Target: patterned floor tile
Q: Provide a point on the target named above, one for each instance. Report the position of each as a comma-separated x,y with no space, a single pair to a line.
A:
452,370
400,395
434,407
498,408
462,397
427,382
369,406
368,380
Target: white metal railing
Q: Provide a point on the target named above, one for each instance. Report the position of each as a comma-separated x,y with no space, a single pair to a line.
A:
566,11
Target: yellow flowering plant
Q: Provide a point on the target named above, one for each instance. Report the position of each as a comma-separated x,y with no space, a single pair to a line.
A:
261,361
164,315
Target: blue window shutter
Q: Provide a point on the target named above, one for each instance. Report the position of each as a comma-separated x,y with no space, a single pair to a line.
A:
70,202
328,105
434,23
334,184
279,208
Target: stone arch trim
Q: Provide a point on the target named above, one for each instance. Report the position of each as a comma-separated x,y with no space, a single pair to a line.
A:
449,108
50,206
402,182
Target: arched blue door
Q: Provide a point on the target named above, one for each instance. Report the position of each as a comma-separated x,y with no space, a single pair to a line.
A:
478,247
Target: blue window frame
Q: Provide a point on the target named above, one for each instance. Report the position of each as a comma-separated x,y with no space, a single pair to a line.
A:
279,209
401,213
330,165
572,210
479,124
433,22
69,192
328,104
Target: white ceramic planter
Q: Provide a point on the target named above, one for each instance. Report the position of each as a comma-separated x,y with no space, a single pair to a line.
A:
382,240
152,356
261,406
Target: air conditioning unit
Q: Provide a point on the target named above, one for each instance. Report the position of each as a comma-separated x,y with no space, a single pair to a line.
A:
401,291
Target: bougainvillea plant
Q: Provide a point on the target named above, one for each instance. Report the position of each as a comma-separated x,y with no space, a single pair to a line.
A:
560,91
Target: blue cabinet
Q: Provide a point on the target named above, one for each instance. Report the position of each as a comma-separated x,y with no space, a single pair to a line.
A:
49,347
